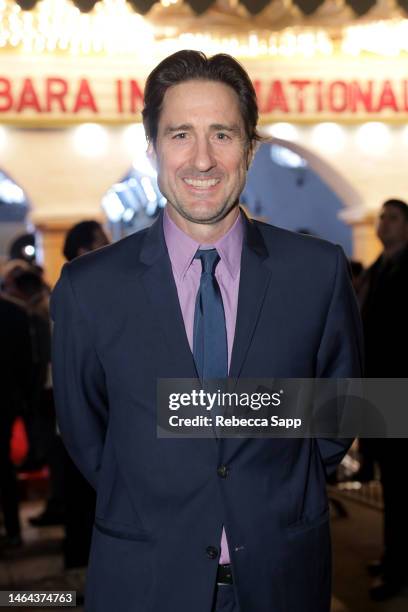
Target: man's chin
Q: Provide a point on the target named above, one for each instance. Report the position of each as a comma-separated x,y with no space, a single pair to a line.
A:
204,215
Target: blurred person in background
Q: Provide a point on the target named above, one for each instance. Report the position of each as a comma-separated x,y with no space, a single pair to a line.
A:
15,387
30,291
23,248
45,445
84,237
50,449
357,274
10,270
384,299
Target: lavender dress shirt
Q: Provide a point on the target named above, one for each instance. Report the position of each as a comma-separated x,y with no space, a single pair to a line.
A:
187,274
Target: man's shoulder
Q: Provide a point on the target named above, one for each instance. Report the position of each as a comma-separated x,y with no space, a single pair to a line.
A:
296,246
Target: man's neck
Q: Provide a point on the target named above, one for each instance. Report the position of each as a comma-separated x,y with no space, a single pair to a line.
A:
393,249
201,232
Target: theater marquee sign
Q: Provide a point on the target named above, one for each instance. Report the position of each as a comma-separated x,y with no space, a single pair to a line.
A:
54,91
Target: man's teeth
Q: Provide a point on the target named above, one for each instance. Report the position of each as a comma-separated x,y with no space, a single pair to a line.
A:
201,183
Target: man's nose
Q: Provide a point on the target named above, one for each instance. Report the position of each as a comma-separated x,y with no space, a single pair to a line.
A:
203,157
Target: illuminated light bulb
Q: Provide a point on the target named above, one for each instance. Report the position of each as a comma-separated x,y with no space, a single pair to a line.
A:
57,20
387,38
113,27
134,138
39,45
324,43
10,192
113,206
373,138
128,215
148,189
142,164
90,140
329,137
273,45
286,158
283,131
136,145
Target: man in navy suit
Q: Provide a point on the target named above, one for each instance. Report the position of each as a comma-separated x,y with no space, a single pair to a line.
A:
185,524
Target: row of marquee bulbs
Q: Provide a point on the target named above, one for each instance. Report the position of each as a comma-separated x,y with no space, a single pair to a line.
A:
114,27
373,138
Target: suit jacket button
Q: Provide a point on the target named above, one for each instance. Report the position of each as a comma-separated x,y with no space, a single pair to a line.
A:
222,471
212,552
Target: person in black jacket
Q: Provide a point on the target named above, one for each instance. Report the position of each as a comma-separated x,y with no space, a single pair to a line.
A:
15,375
384,297
30,292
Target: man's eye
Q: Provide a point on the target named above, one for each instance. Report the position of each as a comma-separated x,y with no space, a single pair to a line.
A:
222,136
180,135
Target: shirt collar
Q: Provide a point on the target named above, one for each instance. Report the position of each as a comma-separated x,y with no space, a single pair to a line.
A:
229,247
182,247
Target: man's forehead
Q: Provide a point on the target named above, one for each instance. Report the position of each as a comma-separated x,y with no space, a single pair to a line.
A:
198,84
199,97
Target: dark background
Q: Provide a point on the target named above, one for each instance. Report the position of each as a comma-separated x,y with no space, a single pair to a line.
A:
254,6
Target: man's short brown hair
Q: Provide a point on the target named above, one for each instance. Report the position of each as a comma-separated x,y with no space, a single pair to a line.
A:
190,65
400,204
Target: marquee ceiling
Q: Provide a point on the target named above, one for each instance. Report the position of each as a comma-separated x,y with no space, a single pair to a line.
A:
244,28
254,7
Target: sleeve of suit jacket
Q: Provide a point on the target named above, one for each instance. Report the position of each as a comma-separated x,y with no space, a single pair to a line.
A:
340,351
78,380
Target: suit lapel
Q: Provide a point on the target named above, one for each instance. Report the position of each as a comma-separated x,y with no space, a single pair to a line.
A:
254,280
158,282
156,277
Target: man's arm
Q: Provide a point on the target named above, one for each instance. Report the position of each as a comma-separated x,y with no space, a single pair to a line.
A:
78,380
340,353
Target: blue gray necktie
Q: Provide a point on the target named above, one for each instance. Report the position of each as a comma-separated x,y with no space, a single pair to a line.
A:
210,335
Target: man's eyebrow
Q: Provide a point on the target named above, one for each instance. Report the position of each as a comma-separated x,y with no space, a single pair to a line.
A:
170,129
226,128
184,127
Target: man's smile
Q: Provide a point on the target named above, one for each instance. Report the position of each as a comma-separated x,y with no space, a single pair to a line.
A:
201,183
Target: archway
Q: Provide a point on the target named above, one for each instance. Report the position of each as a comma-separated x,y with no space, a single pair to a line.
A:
294,188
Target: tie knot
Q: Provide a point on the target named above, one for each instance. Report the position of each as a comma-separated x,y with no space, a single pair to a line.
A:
209,259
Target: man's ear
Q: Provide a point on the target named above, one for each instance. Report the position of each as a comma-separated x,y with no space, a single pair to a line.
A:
151,155
252,150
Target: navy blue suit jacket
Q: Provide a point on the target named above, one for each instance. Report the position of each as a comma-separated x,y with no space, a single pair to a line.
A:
160,503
